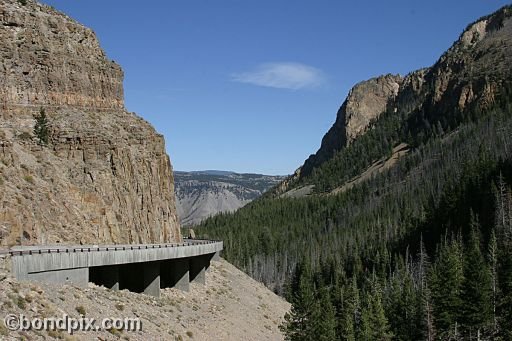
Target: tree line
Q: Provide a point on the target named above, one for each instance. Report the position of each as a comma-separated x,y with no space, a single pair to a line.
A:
421,251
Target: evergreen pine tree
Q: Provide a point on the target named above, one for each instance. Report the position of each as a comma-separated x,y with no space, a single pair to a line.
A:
429,331
347,330
299,322
41,130
402,306
374,323
426,311
351,313
477,285
493,261
365,331
446,281
324,318
504,273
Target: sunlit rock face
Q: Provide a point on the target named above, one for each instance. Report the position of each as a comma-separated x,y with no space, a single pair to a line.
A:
467,76
104,176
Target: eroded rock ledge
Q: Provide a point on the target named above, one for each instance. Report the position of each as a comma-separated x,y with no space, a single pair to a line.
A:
105,176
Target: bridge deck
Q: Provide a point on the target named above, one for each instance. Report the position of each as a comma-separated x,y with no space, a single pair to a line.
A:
40,249
75,263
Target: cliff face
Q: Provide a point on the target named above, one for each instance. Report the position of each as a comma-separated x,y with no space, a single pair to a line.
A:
365,102
48,59
104,176
202,194
468,75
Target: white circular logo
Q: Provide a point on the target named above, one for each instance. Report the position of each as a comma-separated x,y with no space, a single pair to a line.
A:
12,322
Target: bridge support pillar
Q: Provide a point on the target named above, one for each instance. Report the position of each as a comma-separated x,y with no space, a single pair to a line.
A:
180,274
108,276
198,267
175,274
216,256
151,275
114,279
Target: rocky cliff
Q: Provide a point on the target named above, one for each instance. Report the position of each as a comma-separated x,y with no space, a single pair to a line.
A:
202,194
104,176
48,59
467,76
364,104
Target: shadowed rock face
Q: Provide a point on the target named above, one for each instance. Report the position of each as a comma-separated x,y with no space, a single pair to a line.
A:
104,176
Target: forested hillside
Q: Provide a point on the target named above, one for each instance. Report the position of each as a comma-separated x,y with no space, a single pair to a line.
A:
422,250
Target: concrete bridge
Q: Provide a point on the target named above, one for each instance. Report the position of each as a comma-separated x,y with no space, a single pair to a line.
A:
140,268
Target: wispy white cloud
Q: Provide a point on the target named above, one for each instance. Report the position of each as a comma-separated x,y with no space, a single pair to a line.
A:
282,75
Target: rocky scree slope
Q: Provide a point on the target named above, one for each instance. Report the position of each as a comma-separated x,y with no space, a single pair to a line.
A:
232,306
104,176
202,194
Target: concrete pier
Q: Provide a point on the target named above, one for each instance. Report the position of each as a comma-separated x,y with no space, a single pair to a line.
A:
176,274
151,283
198,267
108,276
138,268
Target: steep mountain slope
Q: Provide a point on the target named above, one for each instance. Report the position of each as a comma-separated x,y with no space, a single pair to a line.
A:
455,119
202,194
365,102
232,306
104,176
467,78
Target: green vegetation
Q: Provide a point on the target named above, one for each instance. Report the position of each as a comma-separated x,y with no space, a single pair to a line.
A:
350,162
41,128
18,300
29,179
81,310
464,293
25,136
421,251
115,332
3,330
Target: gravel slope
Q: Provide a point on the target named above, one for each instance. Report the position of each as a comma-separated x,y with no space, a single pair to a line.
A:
232,306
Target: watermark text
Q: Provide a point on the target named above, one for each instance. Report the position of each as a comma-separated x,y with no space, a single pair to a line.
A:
70,324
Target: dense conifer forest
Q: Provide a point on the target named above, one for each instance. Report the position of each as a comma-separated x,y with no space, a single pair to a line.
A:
422,251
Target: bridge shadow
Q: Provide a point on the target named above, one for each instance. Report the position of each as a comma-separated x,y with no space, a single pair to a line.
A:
150,277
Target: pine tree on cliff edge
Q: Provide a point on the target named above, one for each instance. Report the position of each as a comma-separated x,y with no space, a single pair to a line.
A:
41,130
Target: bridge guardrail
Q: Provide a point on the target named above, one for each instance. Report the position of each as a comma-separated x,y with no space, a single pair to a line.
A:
95,248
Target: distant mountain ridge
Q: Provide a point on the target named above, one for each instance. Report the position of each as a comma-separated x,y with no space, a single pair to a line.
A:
212,172
201,194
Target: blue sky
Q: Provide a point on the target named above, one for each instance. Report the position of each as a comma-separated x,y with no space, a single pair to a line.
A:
252,86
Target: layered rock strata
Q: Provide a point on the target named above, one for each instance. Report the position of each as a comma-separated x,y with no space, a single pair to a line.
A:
104,176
